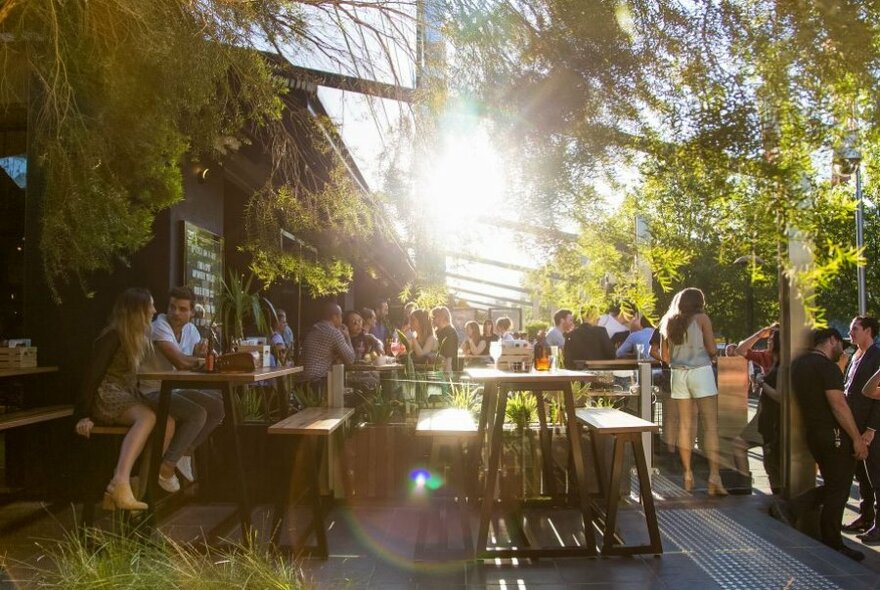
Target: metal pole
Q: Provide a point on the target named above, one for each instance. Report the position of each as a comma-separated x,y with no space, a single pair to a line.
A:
860,241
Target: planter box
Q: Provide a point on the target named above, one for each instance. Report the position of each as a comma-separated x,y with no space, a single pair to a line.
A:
380,458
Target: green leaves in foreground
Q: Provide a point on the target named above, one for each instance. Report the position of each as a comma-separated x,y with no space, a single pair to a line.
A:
104,560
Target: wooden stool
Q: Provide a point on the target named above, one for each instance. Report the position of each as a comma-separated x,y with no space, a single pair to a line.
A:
309,426
455,430
623,428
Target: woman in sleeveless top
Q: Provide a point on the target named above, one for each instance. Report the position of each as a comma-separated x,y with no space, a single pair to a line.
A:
688,346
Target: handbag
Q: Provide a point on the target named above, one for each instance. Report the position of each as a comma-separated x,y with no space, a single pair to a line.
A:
235,362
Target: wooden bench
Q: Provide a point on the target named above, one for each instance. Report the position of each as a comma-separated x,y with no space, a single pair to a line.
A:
449,428
34,416
623,428
310,425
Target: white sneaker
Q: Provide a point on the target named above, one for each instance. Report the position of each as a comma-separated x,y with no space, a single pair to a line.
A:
169,484
185,468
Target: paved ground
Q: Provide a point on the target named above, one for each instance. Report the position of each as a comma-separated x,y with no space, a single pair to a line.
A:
708,543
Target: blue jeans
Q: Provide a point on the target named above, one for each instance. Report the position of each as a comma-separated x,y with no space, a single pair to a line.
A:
212,401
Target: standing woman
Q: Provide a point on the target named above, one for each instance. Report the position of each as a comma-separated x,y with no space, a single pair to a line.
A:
423,342
688,346
110,394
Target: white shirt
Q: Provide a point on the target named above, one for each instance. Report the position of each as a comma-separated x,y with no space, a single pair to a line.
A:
161,331
611,325
555,337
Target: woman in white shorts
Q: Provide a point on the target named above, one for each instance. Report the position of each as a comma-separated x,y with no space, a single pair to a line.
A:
688,346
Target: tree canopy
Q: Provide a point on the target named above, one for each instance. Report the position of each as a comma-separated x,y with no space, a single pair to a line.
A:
729,110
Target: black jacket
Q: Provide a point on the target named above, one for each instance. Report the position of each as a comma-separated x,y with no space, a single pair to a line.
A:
104,349
587,343
865,410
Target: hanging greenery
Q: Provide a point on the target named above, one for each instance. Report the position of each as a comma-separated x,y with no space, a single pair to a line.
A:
124,92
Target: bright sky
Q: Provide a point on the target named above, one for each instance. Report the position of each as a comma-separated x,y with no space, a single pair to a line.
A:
462,179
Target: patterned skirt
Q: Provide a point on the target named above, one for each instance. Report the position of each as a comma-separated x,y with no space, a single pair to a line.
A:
112,402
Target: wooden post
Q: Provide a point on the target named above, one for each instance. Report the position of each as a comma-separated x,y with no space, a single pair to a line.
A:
798,466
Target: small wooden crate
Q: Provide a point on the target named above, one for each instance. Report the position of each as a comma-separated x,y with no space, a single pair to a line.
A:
19,357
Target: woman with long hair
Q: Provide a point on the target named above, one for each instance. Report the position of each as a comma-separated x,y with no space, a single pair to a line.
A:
110,394
423,343
473,344
688,345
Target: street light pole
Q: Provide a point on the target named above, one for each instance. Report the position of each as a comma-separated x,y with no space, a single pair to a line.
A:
860,242
848,159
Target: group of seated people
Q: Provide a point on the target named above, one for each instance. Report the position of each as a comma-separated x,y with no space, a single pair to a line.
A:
353,336
613,335
133,341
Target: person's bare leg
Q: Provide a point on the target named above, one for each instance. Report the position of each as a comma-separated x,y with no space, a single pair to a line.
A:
142,420
670,424
685,438
708,408
740,455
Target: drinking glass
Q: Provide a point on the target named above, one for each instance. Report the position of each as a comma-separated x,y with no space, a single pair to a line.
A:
495,351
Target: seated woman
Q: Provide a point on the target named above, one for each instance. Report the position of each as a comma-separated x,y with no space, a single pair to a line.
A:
473,344
423,344
362,341
369,317
363,344
110,394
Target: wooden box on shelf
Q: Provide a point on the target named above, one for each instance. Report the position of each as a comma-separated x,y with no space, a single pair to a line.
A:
19,357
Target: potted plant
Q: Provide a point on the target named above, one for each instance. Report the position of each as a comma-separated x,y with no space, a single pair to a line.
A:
521,476
242,305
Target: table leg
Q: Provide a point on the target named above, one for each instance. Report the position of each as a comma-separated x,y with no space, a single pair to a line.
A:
577,453
281,392
155,457
613,500
495,439
546,447
244,507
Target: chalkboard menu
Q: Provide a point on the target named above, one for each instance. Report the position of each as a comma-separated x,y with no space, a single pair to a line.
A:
203,267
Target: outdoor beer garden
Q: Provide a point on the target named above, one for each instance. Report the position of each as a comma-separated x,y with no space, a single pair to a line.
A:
471,293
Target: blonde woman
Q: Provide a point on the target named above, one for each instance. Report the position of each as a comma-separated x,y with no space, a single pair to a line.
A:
423,342
688,345
110,394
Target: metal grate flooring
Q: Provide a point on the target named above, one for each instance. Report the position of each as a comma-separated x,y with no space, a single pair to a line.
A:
739,559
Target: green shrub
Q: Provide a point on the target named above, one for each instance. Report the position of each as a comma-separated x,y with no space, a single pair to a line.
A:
102,560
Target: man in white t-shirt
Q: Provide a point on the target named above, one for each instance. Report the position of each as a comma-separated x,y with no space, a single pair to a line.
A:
177,345
613,321
564,323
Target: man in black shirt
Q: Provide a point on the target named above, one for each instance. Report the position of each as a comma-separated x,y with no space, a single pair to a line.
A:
833,438
587,343
866,412
447,337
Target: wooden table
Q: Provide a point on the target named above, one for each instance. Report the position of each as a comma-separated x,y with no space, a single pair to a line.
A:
26,371
497,385
213,381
